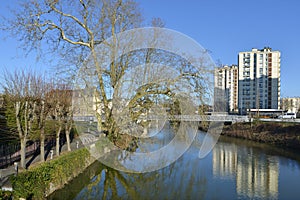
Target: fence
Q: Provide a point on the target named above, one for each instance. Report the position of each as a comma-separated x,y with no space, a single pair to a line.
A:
10,153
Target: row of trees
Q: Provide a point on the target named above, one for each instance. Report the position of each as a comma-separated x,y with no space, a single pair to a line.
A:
33,104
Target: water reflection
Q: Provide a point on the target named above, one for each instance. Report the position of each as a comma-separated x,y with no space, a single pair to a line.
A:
235,169
225,161
256,174
166,183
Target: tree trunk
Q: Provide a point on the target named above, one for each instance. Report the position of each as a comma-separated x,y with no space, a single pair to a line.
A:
22,135
23,153
42,146
57,140
67,130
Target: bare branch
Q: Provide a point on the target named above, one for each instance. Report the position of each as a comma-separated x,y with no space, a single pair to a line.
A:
64,37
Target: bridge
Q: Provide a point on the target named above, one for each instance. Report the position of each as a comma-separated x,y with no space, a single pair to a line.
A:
209,118
197,118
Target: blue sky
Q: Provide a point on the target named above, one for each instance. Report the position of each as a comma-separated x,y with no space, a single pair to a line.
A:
225,27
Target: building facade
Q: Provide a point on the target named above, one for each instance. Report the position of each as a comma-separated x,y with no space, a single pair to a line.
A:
226,89
258,79
291,104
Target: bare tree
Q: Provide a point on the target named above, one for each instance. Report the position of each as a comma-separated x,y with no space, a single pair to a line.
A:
74,28
60,98
19,93
68,117
42,108
70,29
56,115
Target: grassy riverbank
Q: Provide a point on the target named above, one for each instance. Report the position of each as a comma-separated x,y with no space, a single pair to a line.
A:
41,180
280,134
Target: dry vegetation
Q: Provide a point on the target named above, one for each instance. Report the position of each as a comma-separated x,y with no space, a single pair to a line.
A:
281,134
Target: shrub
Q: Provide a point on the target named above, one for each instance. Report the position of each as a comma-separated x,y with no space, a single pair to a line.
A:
39,181
5,195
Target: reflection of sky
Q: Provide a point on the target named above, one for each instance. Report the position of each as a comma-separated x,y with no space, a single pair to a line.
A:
193,178
150,158
160,139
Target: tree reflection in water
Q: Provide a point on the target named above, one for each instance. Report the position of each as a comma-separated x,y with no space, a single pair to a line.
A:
181,179
163,184
234,169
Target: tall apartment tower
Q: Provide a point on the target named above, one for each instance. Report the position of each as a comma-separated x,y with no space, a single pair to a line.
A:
226,89
259,79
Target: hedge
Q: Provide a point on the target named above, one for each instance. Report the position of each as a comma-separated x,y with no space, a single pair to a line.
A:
41,180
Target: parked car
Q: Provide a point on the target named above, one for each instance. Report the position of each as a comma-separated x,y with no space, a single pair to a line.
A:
288,116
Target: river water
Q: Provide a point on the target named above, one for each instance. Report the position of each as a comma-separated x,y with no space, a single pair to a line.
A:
234,169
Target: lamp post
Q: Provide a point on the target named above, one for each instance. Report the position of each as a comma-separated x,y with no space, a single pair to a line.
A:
16,165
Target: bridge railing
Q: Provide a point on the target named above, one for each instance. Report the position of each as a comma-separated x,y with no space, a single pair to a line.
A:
216,118
225,118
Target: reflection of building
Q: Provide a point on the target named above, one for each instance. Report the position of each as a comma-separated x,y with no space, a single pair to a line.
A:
291,104
259,79
226,88
256,174
224,160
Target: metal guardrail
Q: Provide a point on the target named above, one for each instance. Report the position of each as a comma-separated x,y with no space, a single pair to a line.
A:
216,118
211,118
10,158
281,120
85,118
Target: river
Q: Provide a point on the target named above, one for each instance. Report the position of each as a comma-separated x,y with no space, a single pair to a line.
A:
234,169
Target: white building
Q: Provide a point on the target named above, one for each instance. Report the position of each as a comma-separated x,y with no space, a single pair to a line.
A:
291,104
259,79
226,88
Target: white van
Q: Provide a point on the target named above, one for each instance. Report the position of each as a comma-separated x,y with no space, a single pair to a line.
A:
288,116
